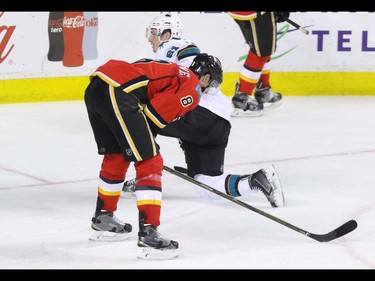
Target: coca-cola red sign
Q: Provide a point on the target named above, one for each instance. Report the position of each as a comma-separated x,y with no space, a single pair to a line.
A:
72,37
6,46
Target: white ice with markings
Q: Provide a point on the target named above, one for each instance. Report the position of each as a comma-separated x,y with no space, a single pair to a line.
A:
322,147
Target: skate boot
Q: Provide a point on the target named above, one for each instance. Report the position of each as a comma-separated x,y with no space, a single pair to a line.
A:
128,189
267,181
244,105
153,245
108,227
264,95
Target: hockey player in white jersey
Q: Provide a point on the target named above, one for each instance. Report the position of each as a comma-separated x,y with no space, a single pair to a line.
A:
204,131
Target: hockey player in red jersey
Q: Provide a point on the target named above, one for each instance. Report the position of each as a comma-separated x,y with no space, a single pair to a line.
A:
259,30
126,104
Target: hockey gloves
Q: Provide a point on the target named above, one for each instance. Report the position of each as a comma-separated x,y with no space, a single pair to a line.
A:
281,16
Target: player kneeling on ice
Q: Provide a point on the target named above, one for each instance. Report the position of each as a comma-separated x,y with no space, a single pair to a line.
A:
204,131
204,147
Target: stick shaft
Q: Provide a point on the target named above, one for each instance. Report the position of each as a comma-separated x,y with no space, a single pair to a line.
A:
338,232
297,26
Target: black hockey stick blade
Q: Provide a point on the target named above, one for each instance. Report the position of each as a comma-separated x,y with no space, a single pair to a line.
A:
338,232
180,169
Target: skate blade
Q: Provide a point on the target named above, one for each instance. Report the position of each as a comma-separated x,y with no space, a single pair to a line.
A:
106,236
237,112
127,194
271,106
148,253
273,177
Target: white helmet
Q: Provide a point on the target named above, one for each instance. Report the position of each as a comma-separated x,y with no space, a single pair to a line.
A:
166,22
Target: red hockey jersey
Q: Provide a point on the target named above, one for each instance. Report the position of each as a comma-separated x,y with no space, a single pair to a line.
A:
243,15
173,90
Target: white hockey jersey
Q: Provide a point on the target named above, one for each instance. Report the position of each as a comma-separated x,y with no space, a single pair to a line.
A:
183,52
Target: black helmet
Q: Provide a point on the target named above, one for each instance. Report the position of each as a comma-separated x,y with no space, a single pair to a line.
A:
203,64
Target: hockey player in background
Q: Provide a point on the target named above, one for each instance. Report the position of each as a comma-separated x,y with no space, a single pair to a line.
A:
204,131
259,30
126,104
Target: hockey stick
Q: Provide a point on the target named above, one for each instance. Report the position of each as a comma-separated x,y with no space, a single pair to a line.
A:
181,169
338,232
298,26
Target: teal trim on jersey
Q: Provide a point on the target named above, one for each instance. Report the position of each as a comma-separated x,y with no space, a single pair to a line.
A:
189,51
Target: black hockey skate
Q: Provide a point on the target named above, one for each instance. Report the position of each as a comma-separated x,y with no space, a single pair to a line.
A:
153,245
264,95
267,181
244,105
108,227
128,189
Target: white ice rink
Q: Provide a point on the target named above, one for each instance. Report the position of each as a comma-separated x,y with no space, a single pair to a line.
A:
322,147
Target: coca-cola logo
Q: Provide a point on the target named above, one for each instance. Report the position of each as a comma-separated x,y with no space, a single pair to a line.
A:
55,23
91,22
6,33
72,37
75,22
